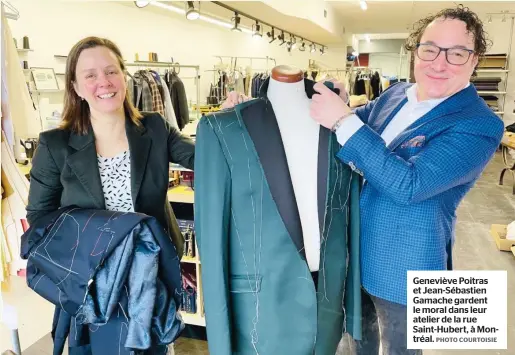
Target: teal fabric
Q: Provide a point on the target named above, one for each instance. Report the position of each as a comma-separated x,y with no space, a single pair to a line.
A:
259,295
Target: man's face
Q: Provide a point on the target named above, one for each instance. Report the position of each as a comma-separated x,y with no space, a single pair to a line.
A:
439,78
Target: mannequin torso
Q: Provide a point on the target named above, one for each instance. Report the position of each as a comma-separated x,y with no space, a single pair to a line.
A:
300,136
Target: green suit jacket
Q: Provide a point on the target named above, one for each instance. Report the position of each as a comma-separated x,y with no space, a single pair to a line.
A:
258,291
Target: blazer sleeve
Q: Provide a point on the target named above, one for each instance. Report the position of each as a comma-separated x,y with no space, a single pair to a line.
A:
45,185
212,220
452,158
181,149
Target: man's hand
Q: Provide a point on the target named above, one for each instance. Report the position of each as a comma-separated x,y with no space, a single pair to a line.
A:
234,98
344,94
327,107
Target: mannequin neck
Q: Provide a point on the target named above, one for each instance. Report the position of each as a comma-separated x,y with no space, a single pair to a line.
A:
286,92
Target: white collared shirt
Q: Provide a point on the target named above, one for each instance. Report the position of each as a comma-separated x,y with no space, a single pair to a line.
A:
409,113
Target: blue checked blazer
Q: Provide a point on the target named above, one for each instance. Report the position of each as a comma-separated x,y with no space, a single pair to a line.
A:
414,185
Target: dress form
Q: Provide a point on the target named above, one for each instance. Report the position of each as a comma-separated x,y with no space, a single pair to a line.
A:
300,136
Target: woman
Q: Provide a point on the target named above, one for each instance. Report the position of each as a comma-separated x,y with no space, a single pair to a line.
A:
106,154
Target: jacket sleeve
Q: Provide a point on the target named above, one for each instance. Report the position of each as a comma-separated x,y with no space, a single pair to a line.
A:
212,219
181,149
45,185
450,159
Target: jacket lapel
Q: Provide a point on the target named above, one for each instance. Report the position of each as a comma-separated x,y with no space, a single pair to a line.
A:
261,124
322,174
450,106
139,145
84,164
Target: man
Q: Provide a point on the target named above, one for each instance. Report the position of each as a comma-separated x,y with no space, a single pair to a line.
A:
420,148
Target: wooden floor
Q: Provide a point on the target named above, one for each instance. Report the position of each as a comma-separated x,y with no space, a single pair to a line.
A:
486,203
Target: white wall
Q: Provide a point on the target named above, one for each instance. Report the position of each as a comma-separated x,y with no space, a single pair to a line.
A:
389,64
54,26
500,33
381,46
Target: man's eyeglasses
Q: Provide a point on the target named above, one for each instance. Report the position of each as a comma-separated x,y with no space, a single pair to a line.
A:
454,56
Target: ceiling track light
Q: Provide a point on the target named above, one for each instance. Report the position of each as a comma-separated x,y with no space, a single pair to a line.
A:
293,42
191,12
281,38
141,3
236,20
256,29
322,50
312,48
271,35
302,47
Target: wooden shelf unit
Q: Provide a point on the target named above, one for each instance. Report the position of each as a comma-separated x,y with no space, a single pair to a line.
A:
182,196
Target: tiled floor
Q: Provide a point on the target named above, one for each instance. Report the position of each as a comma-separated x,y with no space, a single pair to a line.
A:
487,203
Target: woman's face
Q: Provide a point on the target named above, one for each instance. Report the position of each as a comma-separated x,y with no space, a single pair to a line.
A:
100,80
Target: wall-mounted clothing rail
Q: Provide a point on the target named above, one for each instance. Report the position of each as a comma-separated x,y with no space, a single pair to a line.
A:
9,10
170,65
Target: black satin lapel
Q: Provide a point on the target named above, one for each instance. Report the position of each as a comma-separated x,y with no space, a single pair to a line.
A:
139,145
84,164
261,124
323,171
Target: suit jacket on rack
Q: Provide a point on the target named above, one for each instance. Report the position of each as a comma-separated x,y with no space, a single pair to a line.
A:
179,99
259,293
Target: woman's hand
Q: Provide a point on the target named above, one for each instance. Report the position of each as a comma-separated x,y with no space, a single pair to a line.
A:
234,98
327,107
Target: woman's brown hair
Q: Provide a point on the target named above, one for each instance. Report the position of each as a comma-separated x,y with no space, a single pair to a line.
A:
76,114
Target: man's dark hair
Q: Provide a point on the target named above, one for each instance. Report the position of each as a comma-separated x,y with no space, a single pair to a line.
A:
474,26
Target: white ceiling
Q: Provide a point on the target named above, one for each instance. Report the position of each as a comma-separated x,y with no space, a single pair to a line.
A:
398,16
384,19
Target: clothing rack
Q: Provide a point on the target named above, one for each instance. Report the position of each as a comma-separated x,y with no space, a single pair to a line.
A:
174,65
13,13
267,58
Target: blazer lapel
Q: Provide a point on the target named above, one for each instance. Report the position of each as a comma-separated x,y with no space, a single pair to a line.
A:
84,164
139,145
450,106
261,124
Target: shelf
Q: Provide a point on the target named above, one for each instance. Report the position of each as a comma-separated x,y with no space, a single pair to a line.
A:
178,167
492,71
491,92
499,112
24,50
47,91
194,319
60,56
181,193
189,260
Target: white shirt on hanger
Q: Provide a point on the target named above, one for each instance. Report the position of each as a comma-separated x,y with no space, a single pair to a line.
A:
409,113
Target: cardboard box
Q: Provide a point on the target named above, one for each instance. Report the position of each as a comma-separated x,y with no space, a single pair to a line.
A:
498,232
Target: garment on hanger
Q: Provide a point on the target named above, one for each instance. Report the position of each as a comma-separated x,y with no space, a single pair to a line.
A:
141,92
257,82
157,101
359,86
179,99
375,83
168,107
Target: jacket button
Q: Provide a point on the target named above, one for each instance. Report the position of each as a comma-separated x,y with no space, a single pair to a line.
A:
352,166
